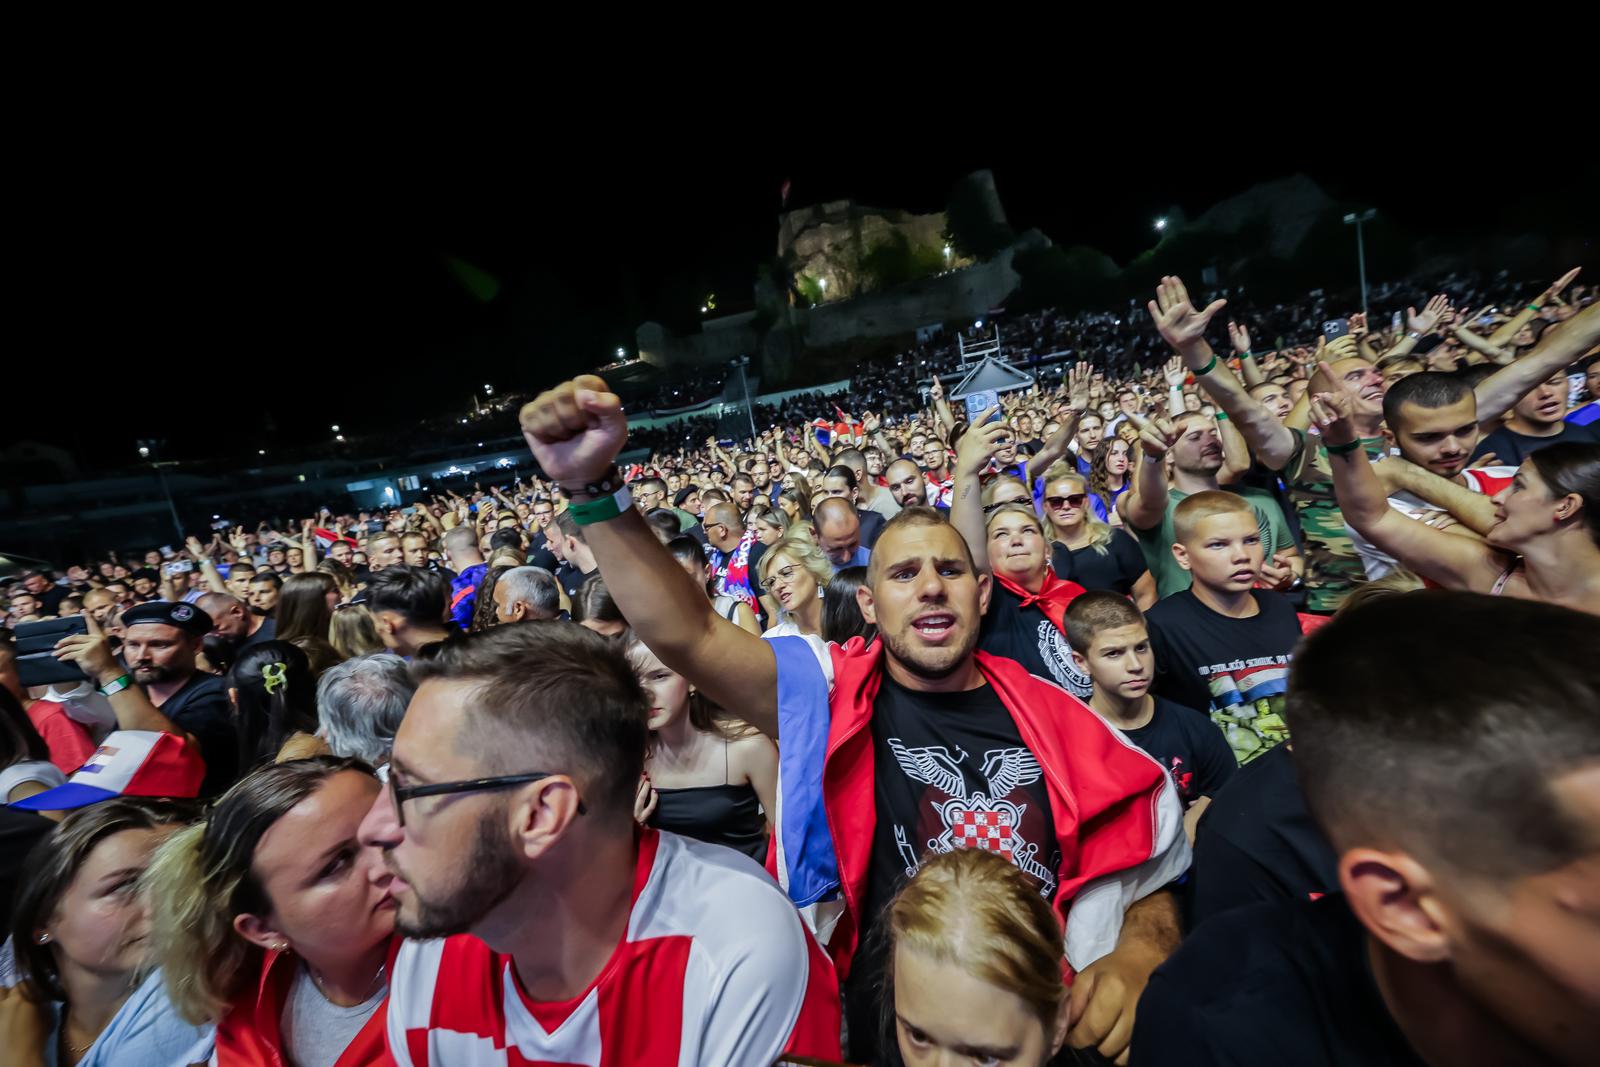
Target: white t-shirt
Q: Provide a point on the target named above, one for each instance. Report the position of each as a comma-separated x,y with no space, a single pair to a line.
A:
31,770
1378,563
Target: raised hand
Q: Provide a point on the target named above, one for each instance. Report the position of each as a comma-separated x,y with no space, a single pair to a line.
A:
935,391
1330,413
1240,337
1175,372
576,429
1358,324
1155,435
871,423
1344,347
196,549
1180,325
1430,315
1080,381
980,443
1558,286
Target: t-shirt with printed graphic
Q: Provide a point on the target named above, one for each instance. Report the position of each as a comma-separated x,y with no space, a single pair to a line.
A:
1332,566
950,771
1027,635
1191,750
1237,670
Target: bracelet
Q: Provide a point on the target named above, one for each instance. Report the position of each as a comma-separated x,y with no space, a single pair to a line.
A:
601,509
1535,308
1414,335
115,686
1221,416
1344,449
1208,368
1247,354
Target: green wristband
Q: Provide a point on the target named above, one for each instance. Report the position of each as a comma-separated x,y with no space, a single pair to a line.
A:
1221,416
1342,450
116,685
601,509
1208,368
1535,308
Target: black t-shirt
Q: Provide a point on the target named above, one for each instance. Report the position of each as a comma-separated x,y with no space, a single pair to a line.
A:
1513,447
202,708
950,771
539,554
50,600
1236,670
571,579
1027,635
268,631
1030,448
1272,983
1116,569
1188,747
1258,843
871,527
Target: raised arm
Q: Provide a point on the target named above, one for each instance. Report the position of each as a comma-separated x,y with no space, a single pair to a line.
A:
575,431
1240,336
1494,353
941,409
1475,511
132,705
1560,345
1184,329
1145,505
973,454
1509,328
1078,379
1452,561
208,569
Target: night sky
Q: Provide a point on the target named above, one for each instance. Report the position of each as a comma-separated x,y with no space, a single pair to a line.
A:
250,297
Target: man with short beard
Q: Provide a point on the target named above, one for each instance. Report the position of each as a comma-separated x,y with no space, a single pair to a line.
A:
509,816
160,689
889,746
907,484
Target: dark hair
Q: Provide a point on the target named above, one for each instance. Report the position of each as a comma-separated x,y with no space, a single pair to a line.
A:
303,610
594,602
841,614
566,688
1430,390
484,612
653,485
839,470
241,563
1090,613
684,494
506,539
569,526
204,876
19,740
276,696
218,651
1452,763
1573,468
1100,476
416,594
55,861
270,577
663,521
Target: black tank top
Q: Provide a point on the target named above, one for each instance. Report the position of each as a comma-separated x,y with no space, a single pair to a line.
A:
719,814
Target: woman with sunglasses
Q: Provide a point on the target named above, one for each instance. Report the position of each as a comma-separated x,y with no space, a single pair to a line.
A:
1108,477
706,775
272,921
1085,549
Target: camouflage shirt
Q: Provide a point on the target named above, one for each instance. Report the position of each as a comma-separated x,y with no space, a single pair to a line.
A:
1333,566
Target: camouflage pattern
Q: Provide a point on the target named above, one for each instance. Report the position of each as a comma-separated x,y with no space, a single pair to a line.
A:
1333,567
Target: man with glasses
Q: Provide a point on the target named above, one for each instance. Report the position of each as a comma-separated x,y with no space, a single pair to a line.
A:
735,553
508,816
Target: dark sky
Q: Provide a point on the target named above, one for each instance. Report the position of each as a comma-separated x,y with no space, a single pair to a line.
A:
245,295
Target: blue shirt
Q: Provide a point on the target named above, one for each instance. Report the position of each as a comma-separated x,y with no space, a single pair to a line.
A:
860,559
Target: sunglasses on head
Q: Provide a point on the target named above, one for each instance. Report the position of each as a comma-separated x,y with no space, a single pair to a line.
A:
1071,500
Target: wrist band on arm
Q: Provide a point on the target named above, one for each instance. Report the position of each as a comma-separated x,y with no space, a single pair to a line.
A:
1221,416
115,686
1535,307
1344,449
1208,368
601,509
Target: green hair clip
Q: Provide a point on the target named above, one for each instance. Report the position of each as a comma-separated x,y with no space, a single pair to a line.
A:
276,674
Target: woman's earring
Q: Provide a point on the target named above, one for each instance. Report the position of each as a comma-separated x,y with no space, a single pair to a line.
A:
44,939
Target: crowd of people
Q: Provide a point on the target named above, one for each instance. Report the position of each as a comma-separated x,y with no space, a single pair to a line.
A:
1143,716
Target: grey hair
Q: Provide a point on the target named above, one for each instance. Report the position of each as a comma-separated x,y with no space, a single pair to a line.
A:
361,702
533,586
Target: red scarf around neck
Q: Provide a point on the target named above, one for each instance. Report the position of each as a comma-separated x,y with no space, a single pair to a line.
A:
1052,598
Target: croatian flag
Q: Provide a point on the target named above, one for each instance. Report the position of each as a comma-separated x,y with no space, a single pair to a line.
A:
129,763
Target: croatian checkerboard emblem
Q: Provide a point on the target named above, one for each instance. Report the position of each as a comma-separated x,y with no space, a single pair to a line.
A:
987,819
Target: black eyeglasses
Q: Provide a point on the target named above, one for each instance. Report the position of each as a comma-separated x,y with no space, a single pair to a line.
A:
403,793
1071,500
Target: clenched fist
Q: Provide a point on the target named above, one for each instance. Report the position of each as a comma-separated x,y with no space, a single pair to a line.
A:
575,430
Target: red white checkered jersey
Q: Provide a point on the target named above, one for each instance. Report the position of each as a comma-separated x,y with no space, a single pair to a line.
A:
715,968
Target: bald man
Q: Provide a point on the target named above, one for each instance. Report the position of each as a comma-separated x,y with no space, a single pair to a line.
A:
736,553
907,483
839,534
233,620
98,604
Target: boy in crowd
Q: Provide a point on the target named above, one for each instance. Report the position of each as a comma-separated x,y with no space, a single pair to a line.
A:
1223,645
1111,644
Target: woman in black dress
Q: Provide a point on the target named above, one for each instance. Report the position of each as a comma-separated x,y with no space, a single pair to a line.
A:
1086,550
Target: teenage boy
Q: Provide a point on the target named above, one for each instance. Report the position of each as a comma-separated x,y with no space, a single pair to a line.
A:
1223,645
1111,644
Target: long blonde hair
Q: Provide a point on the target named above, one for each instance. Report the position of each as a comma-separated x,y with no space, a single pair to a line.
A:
972,909
1099,532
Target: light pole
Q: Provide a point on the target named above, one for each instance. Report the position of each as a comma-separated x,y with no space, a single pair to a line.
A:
1356,219
744,382
148,451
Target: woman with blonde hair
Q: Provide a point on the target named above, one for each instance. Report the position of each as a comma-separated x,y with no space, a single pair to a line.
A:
271,920
770,523
352,632
305,616
794,574
1087,551
973,968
